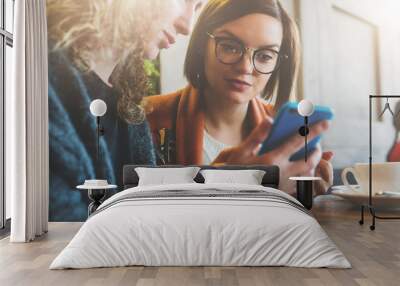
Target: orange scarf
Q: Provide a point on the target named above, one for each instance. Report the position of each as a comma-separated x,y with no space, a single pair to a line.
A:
190,124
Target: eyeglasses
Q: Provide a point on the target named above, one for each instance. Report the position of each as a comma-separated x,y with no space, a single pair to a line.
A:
230,51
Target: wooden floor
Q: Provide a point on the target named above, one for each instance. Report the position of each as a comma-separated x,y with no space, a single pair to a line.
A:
375,257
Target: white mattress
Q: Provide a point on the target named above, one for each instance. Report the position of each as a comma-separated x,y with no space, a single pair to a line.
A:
202,231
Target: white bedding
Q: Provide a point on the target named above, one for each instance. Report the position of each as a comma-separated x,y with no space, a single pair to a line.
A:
183,231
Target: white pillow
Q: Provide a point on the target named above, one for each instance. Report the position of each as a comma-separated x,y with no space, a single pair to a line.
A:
248,177
163,176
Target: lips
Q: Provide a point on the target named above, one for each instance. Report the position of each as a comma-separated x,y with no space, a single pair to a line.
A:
171,38
238,85
238,81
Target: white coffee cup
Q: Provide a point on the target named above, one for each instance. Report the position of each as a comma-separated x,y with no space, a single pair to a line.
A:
385,177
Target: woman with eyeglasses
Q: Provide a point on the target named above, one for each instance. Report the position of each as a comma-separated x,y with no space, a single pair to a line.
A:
242,54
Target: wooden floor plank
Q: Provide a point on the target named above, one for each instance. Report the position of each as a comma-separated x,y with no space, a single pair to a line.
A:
375,257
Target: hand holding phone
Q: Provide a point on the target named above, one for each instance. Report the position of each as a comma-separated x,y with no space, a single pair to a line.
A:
288,122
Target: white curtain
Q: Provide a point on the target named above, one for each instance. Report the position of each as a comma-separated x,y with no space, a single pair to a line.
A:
27,124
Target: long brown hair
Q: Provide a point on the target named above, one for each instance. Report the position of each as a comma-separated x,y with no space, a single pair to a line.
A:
217,13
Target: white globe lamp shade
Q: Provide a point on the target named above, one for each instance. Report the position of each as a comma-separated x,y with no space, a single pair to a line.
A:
98,107
305,108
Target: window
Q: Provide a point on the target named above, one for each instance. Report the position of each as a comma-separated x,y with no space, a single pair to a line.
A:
6,45
9,15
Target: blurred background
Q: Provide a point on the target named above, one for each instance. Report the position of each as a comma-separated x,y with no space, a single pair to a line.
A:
351,49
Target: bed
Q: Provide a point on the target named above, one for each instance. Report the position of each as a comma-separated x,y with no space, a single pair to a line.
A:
201,224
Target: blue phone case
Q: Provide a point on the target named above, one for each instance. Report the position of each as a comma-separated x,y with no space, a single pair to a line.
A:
288,122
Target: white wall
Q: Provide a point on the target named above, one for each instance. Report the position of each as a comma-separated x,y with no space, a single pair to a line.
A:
171,64
348,54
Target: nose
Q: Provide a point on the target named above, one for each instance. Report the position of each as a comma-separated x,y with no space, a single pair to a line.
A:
183,23
246,63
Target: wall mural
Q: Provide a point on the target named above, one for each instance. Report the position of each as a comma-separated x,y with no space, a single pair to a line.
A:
241,66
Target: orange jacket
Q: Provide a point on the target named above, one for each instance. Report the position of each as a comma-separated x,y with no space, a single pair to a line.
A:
182,113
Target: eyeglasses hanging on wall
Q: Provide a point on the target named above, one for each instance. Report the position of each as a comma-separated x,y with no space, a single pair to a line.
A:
387,107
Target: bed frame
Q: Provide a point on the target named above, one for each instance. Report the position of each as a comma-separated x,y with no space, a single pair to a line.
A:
270,179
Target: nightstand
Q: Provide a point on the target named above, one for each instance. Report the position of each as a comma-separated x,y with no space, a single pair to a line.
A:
305,190
96,195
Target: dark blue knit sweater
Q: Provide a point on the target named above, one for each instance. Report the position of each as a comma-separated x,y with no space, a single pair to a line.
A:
72,136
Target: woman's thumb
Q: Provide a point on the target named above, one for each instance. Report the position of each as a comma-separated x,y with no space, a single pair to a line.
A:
328,155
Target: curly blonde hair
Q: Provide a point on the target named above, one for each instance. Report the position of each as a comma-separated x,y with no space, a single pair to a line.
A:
84,27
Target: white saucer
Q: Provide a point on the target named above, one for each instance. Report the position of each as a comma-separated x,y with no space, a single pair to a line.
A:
92,187
391,200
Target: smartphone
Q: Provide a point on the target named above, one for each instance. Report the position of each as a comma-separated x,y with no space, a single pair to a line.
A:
288,122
